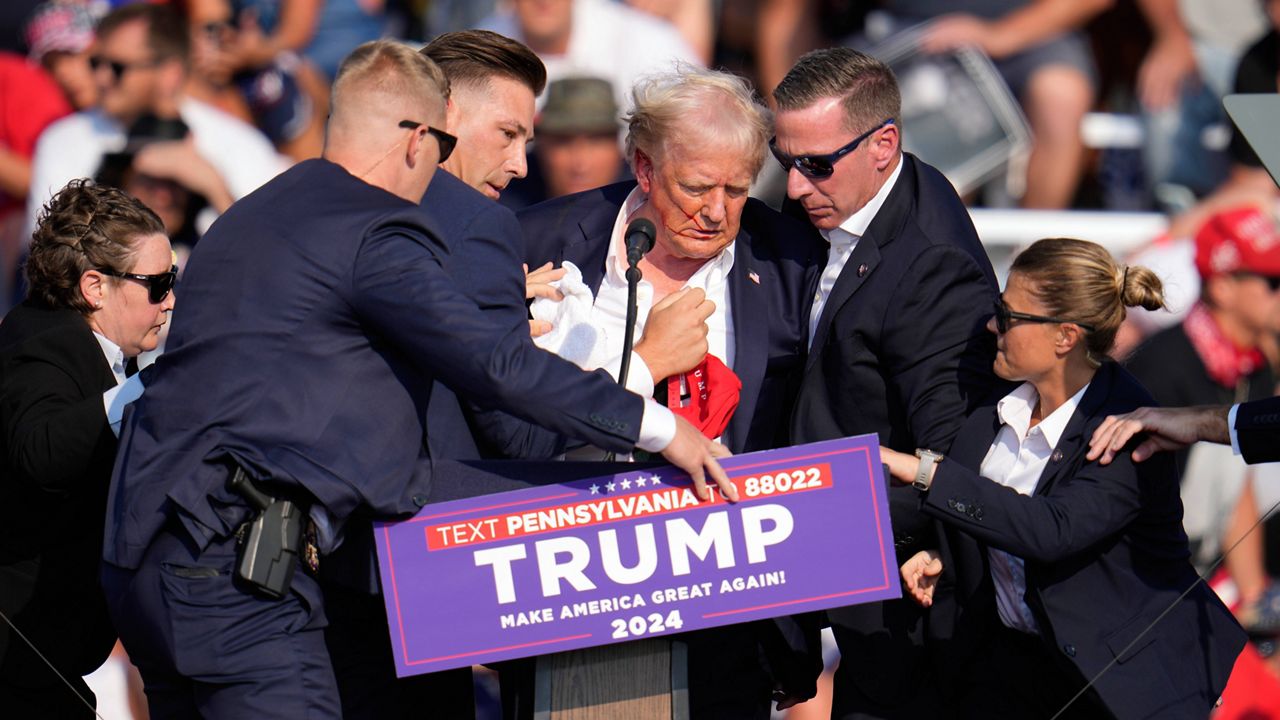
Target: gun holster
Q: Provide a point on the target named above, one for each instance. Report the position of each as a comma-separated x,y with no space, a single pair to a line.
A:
269,543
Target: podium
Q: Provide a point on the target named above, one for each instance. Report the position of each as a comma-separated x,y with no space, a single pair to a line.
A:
640,680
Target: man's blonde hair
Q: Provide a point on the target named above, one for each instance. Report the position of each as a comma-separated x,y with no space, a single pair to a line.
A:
717,105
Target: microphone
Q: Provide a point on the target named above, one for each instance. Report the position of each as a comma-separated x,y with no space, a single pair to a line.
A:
639,239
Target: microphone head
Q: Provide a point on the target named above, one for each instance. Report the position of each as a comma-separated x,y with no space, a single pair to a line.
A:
642,227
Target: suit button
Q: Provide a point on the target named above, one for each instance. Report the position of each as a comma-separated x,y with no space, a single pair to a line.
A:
420,499
1069,649
977,514
960,507
951,503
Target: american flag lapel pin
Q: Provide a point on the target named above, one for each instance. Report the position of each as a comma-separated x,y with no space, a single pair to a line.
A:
754,277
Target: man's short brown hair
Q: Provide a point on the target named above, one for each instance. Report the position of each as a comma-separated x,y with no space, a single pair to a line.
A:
167,35
471,57
867,87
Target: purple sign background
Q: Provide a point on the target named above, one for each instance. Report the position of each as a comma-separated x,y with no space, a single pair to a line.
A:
475,580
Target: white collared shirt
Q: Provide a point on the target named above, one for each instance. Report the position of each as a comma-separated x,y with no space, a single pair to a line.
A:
127,389
843,240
1016,459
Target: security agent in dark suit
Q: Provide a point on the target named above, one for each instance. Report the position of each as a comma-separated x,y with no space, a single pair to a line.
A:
318,317
897,345
696,140
493,81
1082,571
99,278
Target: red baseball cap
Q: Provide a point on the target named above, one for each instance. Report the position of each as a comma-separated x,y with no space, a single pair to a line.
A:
1239,240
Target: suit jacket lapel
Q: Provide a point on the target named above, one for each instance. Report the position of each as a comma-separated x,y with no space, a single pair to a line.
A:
748,301
587,251
884,227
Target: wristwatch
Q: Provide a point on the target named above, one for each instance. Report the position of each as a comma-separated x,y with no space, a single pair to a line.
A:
924,475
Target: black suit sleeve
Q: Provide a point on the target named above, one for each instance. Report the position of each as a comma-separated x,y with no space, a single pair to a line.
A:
402,292
497,284
1082,509
53,427
1258,430
937,352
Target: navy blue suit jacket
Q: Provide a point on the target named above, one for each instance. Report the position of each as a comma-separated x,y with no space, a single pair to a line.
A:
1258,430
1105,555
312,321
770,317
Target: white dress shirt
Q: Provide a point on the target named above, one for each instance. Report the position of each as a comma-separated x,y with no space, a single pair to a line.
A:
843,240
127,389
1017,459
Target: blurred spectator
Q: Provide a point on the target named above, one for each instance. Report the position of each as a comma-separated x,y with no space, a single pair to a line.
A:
1046,62
1212,358
59,34
695,19
13,15
786,30
1193,56
595,38
285,96
140,61
577,143
323,31
159,166
1248,182
29,102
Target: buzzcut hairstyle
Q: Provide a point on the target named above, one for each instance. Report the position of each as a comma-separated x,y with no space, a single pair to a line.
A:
472,57
694,103
84,227
867,87
390,68
168,36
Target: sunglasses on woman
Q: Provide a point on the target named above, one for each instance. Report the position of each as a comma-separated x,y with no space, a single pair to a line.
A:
158,285
1004,315
820,166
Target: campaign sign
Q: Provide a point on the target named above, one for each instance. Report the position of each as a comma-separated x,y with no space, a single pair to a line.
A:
636,555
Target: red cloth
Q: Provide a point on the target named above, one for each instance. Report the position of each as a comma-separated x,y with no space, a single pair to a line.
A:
714,391
29,102
1240,240
1225,362
1253,692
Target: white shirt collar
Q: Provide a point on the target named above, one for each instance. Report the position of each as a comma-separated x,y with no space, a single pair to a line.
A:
113,354
856,225
1015,410
714,271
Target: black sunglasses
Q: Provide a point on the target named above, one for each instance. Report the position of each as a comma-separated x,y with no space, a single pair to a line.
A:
118,69
158,286
1004,315
447,141
820,166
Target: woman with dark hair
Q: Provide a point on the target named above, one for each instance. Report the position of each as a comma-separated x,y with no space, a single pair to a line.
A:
1071,583
100,288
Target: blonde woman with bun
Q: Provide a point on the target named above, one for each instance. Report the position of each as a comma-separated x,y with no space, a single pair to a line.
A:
1069,582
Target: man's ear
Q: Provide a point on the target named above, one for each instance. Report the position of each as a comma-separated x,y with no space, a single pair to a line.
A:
644,171
885,144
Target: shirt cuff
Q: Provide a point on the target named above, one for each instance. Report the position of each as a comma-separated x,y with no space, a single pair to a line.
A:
117,397
657,427
639,378
1231,428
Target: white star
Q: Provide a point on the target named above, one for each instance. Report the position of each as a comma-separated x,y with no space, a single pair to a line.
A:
640,481
609,486
626,484
655,479
595,489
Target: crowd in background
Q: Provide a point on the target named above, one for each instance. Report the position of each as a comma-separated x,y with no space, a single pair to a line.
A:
239,89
